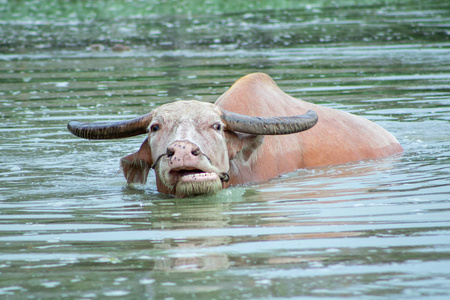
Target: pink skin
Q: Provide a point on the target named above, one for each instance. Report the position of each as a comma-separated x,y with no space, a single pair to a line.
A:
188,147
185,163
338,137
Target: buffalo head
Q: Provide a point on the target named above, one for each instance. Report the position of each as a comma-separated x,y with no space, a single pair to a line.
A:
190,144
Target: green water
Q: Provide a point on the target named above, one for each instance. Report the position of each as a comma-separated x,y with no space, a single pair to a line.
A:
70,227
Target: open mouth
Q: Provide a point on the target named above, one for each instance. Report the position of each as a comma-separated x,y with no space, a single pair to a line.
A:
194,175
195,182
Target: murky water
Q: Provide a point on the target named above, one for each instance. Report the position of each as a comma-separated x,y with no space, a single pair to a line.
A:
71,228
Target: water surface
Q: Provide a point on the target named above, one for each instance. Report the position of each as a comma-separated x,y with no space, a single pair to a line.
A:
71,228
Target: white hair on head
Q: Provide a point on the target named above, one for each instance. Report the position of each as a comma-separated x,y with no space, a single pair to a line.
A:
184,189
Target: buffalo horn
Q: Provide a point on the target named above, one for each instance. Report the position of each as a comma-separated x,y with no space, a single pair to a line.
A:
111,130
269,126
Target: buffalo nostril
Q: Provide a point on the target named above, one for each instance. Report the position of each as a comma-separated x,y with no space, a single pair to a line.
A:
195,152
170,152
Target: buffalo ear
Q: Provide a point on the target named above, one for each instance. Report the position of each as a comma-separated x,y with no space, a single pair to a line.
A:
241,145
136,166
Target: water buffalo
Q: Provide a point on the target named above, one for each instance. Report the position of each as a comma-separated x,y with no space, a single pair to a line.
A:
253,132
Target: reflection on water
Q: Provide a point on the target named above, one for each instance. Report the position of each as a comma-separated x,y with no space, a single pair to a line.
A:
70,227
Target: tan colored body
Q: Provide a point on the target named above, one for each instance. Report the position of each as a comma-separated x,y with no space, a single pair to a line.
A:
338,137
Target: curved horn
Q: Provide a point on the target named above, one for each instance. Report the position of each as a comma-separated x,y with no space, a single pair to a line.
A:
269,126
114,130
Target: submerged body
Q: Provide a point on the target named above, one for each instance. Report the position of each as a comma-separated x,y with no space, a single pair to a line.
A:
197,148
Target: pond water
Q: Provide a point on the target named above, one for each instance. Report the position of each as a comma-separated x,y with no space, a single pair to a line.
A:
71,228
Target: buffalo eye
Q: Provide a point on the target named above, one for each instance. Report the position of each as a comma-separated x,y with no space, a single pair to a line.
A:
154,128
217,126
